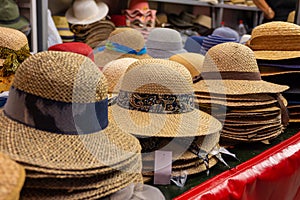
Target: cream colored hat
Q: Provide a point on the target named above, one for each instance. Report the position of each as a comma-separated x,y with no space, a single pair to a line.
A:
231,68
86,11
156,99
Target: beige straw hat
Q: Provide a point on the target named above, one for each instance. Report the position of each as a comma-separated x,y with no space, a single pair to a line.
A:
114,72
156,99
192,61
275,41
122,43
50,119
12,178
231,68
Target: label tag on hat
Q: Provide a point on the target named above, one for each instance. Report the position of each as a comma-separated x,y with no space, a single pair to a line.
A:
162,167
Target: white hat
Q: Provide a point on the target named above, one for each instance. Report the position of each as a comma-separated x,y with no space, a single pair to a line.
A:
86,12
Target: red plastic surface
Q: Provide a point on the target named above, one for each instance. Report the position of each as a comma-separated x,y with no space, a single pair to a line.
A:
271,175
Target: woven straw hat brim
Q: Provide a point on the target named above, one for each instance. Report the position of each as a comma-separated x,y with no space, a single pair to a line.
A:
38,172
35,194
78,183
276,55
71,152
269,71
251,97
104,57
12,178
236,87
244,132
12,38
194,123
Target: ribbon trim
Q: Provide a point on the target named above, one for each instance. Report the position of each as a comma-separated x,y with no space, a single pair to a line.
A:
124,49
12,21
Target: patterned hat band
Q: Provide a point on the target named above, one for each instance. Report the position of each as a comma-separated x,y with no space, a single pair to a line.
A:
124,49
156,103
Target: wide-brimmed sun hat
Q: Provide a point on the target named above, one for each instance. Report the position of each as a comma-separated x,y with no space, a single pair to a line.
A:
56,116
231,68
12,178
156,99
164,42
122,43
275,41
86,11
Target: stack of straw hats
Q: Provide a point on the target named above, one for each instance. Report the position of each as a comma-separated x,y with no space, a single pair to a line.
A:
231,89
155,103
12,178
88,21
63,28
55,123
121,43
277,50
14,50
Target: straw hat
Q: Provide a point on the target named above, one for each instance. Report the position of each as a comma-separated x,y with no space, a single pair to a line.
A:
192,61
114,72
12,178
156,99
231,68
203,20
63,29
75,139
122,43
75,47
164,42
275,41
86,11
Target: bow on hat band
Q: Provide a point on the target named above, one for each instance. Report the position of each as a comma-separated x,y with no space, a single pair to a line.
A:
124,49
13,58
55,116
156,103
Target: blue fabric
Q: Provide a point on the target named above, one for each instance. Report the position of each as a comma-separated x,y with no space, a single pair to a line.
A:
124,49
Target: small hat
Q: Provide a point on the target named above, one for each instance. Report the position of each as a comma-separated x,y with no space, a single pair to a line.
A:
118,20
10,15
75,47
226,32
213,40
57,116
122,43
12,178
184,20
164,42
86,11
231,68
138,7
156,99
194,43
203,20
275,41
63,29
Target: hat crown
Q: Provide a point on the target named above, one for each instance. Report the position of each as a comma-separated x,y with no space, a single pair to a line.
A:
9,10
12,38
139,5
157,76
84,9
128,37
61,76
226,32
230,57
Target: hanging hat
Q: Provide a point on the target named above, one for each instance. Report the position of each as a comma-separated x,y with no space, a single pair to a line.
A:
231,68
14,50
12,178
114,72
56,116
122,43
75,47
156,99
164,42
86,11
10,15
275,41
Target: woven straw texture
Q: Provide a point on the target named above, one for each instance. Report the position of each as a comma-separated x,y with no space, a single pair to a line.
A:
233,57
128,37
114,72
158,76
12,178
65,77
12,38
192,61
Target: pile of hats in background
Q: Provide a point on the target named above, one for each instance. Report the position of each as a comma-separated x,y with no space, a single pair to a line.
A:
88,21
277,50
232,90
139,16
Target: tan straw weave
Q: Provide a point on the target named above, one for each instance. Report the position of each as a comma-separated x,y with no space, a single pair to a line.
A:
231,68
114,72
68,78
12,38
162,79
12,176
